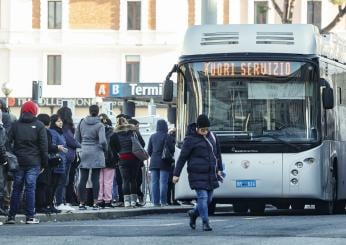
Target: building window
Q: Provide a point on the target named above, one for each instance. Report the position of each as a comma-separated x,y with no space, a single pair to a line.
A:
314,13
261,12
54,70
132,68
54,14
133,15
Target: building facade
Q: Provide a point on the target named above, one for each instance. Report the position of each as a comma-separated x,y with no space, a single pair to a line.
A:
71,45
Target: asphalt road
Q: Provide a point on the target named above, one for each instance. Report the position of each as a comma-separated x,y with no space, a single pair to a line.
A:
275,227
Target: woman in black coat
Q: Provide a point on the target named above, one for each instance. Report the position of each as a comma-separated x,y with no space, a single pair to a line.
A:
159,168
129,164
44,197
202,152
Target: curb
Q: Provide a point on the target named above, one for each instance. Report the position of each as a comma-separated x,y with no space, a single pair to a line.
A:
107,214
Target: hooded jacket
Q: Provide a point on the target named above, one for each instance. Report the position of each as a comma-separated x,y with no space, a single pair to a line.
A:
203,160
29,138
90,133
156,145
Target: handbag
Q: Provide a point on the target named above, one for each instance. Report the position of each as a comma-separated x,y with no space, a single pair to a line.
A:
137,149
12,162
54,159
167,155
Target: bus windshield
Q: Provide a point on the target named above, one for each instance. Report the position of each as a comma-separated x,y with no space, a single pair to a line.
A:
254,100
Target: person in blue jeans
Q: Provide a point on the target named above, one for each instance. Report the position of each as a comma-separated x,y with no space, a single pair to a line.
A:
30,145
158,167
202,152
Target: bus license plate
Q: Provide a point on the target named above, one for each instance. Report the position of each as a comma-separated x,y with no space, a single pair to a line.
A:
246,183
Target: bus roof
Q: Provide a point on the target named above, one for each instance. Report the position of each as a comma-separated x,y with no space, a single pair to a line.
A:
288,38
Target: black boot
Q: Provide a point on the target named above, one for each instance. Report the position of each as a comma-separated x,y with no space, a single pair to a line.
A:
206,226
193,218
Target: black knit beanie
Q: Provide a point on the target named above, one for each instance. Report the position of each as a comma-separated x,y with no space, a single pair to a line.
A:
203,121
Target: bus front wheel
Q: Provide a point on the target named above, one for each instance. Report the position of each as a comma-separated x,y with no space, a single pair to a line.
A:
257,209
240,207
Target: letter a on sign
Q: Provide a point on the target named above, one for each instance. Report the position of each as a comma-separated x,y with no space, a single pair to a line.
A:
102,89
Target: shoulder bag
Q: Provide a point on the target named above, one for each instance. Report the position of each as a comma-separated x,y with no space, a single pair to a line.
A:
167,155
54,159
137,148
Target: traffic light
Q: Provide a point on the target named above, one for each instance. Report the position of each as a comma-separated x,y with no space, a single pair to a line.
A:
37,91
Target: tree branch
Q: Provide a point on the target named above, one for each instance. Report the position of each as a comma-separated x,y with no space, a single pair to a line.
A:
278,10
342,12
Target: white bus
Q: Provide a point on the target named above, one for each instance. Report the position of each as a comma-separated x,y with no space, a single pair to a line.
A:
276,98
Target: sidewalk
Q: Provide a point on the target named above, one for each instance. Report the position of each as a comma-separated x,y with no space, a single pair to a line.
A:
110,213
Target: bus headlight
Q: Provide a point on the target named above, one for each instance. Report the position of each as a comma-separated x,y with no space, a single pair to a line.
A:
294,172
294,181
299,164
309,160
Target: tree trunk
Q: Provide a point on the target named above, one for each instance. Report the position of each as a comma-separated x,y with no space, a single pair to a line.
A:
290,11
342,12
286,7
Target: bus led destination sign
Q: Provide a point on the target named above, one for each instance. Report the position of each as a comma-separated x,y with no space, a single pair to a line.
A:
247,68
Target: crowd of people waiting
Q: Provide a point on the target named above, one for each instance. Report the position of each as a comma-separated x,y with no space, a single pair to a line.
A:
92,164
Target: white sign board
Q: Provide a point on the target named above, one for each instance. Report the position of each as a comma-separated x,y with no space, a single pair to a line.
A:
270,91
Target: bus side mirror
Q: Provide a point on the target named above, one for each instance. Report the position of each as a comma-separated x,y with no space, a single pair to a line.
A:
167,94
328,98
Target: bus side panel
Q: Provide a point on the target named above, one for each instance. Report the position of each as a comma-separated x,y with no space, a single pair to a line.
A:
247,176
311,177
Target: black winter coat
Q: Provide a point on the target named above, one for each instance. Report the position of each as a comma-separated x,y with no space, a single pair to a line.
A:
125,133
203,162
3,138
46,175
156,145
29,138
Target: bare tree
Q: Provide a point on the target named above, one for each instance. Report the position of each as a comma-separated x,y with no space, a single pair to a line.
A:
286,13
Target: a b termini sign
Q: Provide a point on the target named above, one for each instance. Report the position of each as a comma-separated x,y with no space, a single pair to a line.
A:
126,90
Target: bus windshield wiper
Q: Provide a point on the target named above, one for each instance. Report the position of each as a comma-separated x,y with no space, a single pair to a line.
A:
234,135
278,140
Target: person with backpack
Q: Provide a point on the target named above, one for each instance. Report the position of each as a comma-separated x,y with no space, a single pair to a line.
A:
202,153
30,145
111,160
160,167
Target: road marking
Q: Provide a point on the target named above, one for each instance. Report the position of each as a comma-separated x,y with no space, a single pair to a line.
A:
251,218
113,225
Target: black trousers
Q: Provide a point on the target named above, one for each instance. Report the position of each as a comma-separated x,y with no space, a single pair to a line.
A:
139,182
55,179
120,183
71,196
129,172
95,179
2,183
